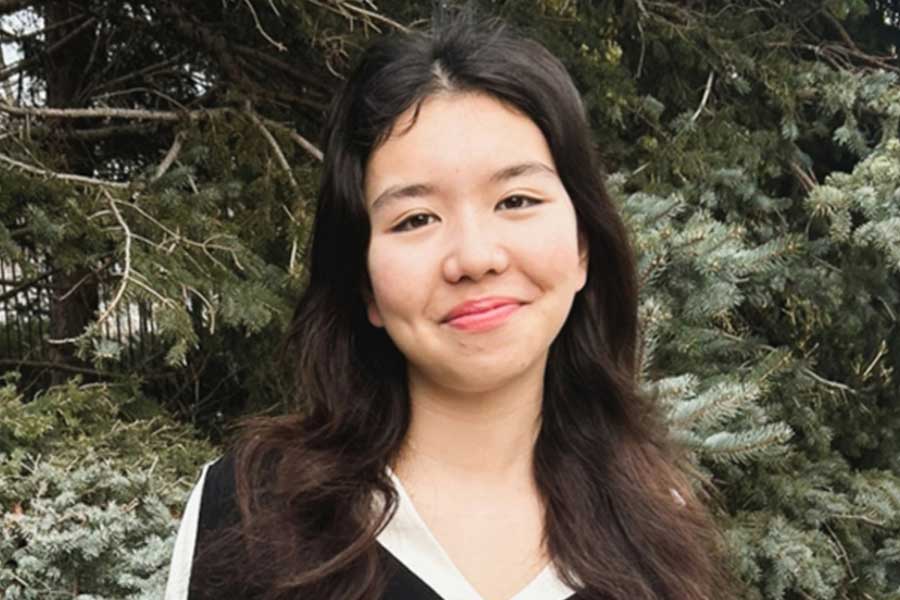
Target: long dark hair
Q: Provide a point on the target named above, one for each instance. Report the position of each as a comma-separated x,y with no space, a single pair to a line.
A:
621,519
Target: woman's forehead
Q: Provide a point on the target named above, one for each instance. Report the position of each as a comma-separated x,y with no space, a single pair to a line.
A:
471,136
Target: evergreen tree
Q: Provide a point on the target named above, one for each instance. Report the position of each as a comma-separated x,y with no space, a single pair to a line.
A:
753,148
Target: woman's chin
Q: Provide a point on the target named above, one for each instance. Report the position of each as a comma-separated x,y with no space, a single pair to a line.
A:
478,375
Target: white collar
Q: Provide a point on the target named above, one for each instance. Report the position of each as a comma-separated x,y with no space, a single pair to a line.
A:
408,538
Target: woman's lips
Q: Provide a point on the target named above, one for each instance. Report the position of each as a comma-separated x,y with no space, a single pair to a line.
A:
483,320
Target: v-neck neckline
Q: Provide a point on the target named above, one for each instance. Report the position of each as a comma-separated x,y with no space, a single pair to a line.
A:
409,539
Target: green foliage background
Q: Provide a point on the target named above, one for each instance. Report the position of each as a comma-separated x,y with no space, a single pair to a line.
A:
753,148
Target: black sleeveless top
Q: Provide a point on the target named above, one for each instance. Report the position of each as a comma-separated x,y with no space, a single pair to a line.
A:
418,567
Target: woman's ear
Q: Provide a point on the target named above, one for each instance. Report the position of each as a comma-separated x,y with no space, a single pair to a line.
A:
372,312
583,259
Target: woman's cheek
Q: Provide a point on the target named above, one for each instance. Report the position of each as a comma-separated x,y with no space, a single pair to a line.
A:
551,254
394,275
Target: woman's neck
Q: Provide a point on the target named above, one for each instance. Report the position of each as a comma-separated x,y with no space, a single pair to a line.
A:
476,436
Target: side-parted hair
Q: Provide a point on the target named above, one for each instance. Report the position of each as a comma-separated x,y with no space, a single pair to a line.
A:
622,521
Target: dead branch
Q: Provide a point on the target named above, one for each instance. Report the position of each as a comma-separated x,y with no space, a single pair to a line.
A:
848,41
343,8
170,157
61,176
298,139
148,70
126,269
642,8
842,57
272,61
143,115
205,246
110,113
705,99
807,178
279,155
278,45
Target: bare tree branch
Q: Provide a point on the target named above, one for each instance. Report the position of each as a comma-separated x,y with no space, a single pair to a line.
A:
705,99
279,155
61,176
299,139
126,270
278,45
111,113
805,176
299,75
147,115
170,157
343,8
148,70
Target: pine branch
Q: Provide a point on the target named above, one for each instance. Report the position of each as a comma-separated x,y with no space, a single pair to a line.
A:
715,405
863,519
150,115
740,447
93,134
205,246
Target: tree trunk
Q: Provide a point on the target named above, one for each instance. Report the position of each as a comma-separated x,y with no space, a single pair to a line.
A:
75,292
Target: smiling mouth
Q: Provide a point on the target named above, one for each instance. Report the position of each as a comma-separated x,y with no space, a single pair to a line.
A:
482,315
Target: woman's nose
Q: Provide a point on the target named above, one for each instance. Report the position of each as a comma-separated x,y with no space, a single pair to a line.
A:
474,252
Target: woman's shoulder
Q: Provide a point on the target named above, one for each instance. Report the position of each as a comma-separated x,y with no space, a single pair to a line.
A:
218,500
212,505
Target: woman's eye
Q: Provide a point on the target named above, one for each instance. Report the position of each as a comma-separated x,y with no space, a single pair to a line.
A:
513,202
414,222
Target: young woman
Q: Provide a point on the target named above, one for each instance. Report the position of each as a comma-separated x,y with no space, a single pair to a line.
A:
465,356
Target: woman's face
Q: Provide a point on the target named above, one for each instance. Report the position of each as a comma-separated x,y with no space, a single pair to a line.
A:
474,256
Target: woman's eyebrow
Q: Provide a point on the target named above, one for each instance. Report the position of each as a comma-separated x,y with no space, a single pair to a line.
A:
416,190
395,192
520,170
